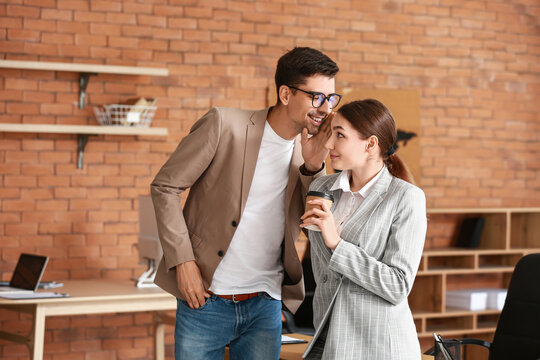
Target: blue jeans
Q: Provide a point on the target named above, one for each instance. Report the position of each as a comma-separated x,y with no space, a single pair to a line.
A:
252,328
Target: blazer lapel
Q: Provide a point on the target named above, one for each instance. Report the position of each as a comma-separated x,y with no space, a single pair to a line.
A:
254,134
370,203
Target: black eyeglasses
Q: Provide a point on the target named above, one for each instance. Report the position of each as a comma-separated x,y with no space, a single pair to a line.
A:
317,98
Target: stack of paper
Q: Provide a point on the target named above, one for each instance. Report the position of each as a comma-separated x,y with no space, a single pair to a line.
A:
291,340
33,295
469,299
496,298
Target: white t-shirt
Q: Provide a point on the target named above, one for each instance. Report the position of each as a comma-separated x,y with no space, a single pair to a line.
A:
253,261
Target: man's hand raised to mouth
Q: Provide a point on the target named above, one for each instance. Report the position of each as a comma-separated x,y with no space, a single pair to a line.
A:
313,150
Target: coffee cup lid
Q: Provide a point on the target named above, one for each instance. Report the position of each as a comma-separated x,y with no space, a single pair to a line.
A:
321,194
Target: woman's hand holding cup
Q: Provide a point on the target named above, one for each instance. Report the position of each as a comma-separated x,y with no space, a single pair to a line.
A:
318,217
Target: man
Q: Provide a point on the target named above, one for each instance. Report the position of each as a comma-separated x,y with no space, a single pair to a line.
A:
229,255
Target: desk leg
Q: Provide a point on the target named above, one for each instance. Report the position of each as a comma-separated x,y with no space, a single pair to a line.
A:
160,341
160,320
38,336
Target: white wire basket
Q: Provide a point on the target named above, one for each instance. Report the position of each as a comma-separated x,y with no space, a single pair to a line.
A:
125,115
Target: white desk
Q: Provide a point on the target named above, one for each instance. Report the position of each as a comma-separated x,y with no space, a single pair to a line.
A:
89,297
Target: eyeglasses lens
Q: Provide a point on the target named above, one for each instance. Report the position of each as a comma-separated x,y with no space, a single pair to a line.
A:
318,100
333,100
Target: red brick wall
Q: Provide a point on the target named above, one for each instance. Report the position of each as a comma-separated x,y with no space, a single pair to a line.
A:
475,63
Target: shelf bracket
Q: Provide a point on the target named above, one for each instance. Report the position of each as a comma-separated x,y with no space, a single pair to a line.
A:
84,78
82,140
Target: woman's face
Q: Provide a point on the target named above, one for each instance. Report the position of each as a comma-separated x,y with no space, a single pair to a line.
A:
347,148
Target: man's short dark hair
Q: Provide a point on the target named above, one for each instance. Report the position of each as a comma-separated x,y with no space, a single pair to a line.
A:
300,63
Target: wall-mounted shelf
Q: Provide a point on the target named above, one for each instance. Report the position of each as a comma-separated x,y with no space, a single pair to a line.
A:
84,70
83,131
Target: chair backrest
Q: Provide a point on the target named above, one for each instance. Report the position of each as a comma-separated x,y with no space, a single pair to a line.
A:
518,330
304,315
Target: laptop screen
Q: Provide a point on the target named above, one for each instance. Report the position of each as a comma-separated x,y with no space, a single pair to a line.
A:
28,271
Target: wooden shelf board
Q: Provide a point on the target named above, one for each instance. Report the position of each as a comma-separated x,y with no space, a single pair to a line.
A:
455,332
83,129
526,250
461,252
83,68
445,269
524,210
468,211
482,210
498,269
452,312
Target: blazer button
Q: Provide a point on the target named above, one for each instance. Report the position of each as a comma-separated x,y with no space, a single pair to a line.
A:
220,253
325,278
234,223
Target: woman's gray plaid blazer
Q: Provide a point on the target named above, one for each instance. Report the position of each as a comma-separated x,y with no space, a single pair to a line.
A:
362,286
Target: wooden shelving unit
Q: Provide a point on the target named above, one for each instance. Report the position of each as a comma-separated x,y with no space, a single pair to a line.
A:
83,132
508,234
84,70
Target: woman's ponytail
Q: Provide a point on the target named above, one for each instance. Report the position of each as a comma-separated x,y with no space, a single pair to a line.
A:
398,168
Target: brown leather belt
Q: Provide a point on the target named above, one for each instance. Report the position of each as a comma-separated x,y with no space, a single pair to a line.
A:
237,297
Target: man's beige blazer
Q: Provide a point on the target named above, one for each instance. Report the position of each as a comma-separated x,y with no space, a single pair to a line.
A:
216,162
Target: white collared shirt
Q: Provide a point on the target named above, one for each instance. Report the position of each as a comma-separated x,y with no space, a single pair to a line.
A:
349,200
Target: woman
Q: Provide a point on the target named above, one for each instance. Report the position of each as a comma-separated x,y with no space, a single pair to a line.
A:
367,253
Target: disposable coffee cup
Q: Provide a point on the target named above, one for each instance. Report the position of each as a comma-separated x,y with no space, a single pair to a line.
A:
312,195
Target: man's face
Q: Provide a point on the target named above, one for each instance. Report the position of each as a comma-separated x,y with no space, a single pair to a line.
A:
300,106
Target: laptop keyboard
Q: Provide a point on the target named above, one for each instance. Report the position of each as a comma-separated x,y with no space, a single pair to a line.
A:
12,290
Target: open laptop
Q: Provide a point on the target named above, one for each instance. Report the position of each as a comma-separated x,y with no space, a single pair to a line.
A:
27,274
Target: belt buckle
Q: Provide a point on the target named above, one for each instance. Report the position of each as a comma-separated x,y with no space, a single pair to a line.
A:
234,299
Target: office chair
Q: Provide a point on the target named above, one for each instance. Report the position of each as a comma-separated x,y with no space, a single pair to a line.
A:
302,321
517,335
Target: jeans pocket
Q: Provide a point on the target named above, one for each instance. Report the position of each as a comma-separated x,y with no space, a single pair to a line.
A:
207,301
265,295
